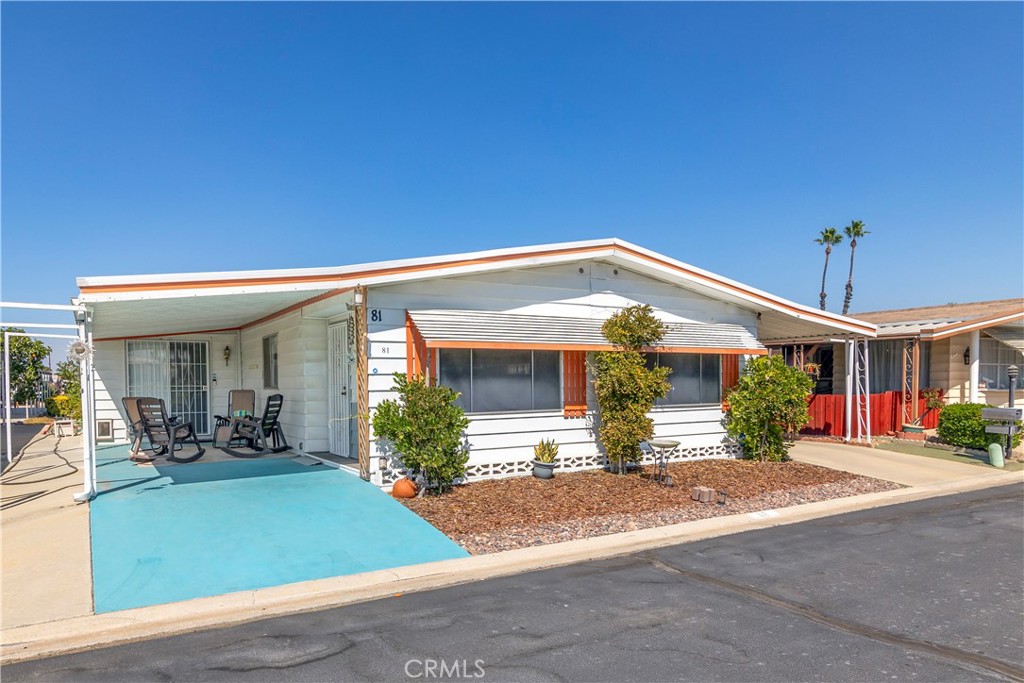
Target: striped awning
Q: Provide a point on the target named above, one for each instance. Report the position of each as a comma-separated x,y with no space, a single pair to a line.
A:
469,329
1011,334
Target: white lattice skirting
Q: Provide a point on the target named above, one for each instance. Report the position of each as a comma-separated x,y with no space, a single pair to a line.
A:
574,463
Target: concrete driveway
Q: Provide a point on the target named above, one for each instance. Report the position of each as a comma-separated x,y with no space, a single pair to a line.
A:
909,470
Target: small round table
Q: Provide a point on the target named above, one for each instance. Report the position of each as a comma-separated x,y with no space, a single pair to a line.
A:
662,449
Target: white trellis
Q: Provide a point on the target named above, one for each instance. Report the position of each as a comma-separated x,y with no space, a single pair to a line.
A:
83,336
858,390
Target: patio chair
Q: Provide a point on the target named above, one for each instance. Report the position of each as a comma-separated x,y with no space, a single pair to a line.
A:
241,403
259,433
165,431
136,430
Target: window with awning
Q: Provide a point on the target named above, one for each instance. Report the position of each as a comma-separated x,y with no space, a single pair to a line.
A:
503,362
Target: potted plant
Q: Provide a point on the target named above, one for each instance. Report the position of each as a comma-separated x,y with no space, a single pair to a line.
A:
544,459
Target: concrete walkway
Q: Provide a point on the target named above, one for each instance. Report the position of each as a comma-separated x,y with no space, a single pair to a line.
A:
909,470
47,573
48,593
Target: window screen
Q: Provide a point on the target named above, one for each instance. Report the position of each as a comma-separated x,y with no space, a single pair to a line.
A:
695,378
492,381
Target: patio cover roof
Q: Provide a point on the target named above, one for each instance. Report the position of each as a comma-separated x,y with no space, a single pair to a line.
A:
473,329
1012,334
940,322
154,305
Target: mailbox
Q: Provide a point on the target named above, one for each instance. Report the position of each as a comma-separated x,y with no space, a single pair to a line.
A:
1002,414
1001,429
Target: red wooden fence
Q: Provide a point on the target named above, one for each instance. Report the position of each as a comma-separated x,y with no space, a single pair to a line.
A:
828,414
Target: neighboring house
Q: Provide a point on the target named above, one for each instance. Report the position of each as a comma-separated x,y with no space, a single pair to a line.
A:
509,328
964,350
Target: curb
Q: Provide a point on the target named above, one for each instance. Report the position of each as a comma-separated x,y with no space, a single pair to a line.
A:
116,628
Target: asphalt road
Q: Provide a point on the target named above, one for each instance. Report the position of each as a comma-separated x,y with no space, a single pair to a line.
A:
926,591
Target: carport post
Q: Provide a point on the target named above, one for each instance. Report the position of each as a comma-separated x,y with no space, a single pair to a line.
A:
84,319
9,457
848,404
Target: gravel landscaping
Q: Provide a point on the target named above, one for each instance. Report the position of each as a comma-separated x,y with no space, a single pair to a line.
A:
494,515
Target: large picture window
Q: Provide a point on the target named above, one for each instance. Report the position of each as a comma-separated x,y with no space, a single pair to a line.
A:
493,381
695,379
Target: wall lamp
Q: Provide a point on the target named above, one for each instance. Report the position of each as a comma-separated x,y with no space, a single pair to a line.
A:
227,354
967,356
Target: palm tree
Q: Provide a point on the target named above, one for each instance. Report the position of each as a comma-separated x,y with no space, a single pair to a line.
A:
829,237
855,230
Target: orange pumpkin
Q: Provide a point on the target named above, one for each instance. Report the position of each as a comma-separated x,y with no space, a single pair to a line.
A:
404,488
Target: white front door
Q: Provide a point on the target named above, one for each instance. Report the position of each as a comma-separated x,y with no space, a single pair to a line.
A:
339,377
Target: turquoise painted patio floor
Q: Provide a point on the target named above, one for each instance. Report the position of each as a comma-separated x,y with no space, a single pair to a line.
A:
177,532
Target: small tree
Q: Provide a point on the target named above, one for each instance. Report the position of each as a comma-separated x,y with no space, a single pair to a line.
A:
27,365
769,401
626,388
426,429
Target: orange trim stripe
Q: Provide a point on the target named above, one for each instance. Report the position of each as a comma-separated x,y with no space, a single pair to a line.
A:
295,307
168,334
378,272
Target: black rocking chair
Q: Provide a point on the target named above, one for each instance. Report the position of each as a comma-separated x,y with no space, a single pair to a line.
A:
166,432
136,429
258,433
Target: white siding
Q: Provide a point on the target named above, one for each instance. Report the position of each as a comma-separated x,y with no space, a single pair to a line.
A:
301,376
111,373
501,443
495,439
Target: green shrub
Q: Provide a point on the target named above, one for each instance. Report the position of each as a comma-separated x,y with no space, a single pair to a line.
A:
626,388
960,424
426,429
769,400
64,406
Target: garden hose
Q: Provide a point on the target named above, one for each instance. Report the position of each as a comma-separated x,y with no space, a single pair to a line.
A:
56,451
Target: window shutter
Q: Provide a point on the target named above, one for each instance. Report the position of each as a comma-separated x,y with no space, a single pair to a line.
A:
574,383
416,360
730,376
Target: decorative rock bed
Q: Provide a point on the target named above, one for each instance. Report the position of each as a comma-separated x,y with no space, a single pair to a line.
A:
494,515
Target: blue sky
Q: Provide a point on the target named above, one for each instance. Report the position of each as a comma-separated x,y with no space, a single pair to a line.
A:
165,137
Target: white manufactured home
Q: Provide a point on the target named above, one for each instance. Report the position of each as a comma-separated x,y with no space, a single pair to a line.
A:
510,329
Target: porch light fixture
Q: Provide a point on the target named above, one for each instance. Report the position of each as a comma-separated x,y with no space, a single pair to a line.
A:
382,463
967,356
358,298
227,355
